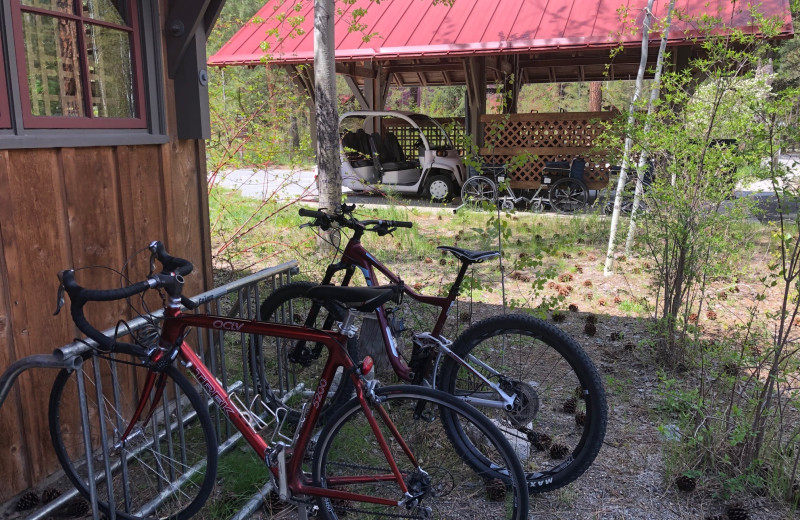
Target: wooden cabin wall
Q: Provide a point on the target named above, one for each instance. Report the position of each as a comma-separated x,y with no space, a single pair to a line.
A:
70,207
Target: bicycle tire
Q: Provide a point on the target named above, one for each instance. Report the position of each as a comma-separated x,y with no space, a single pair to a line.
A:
568,195
478,192
559,418
161,453
485,484
289,304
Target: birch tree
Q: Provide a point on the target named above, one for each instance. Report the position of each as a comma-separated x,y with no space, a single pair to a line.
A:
623,173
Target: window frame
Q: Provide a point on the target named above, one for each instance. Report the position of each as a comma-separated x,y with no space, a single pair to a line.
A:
5,105
31,121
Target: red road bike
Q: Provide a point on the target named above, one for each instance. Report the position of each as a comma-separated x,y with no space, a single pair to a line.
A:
387,452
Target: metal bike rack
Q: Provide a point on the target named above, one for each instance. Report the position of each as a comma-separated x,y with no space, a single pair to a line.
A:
239,298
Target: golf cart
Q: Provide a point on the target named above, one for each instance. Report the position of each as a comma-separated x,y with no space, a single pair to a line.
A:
374,160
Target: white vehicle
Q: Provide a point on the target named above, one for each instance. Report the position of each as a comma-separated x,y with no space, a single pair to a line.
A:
374,161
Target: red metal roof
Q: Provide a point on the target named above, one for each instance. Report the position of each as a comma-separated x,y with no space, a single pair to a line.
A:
417,28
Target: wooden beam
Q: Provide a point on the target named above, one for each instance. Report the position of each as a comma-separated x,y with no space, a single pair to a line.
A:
191,88
183,20
417,67
357,93
351,69
212,13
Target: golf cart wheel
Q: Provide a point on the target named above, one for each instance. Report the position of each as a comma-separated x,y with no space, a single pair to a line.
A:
568,195
439,188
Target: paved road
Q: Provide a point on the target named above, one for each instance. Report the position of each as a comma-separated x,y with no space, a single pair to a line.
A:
284,184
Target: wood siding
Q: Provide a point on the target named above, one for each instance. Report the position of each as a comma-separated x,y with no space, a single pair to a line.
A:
73,207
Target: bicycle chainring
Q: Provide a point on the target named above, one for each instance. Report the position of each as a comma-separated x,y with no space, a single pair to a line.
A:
526,404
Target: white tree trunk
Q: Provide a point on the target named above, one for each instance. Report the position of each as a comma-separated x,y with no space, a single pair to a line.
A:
623,173
329,180
654,92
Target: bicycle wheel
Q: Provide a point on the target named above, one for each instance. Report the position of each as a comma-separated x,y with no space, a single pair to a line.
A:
487,483
558,419
568,195
294,382
478,191
165,469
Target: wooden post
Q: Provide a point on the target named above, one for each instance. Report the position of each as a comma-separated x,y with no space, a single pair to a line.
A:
475,72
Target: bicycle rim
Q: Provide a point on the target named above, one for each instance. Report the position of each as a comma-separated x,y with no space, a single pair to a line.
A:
559,418
165,469
447,484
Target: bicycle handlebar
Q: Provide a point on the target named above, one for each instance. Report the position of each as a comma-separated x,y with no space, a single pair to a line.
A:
170,279
324,220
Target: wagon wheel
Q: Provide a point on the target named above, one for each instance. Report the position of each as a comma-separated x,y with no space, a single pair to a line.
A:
478,190
568,195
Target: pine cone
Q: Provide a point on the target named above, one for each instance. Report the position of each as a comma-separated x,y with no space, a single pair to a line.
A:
50,494
629,346
590,329
685,483
558,317
76,507
540,441
591,318
565,277
617,300
578,392
615,336
587,283
569,405
580,418
27,501
738,513
496,489
573,308
466,316
711,315
558,451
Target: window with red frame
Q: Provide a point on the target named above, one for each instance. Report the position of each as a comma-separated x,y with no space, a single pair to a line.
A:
79,63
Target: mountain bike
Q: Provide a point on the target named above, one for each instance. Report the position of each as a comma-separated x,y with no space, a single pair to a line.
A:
528,376
154,452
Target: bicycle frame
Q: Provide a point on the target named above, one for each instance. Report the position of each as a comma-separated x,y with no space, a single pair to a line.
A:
174,330
356,256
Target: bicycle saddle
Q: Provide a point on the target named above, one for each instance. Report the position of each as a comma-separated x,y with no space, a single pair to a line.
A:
471,257
362,299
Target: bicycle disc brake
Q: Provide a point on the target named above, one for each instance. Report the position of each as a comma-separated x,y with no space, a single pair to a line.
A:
526,404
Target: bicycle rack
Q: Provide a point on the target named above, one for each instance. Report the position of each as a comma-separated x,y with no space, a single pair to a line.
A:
248,296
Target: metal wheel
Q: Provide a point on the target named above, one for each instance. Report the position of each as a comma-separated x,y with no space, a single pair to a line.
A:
568,195
507,205
478,190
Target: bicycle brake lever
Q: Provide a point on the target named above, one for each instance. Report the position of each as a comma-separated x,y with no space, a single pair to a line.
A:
59,299
152,264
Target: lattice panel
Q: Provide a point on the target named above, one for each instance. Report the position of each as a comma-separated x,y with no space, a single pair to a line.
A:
558,130
542,136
